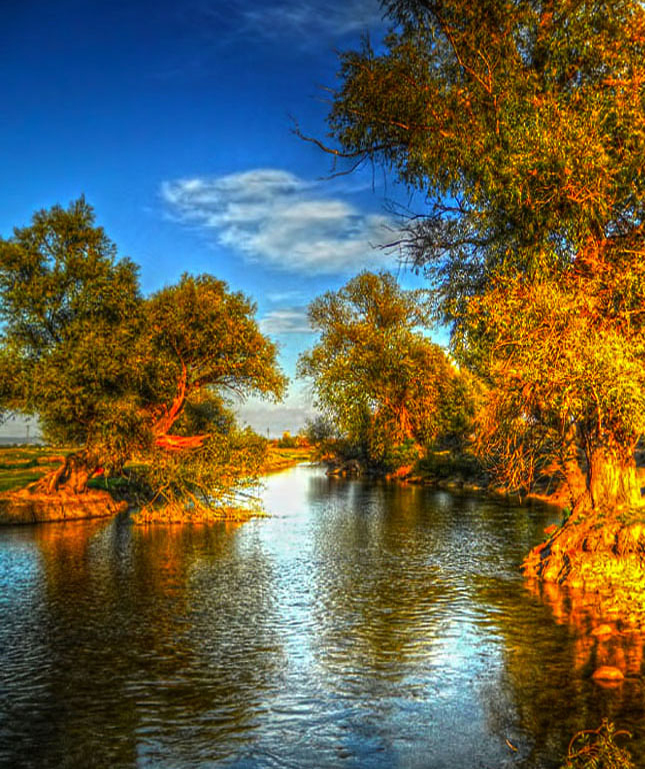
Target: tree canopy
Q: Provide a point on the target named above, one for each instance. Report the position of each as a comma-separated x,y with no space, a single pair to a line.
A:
523,123
375,374
118,375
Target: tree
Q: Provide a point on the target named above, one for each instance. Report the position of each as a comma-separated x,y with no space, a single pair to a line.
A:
72,318
287,441
567,387
203,338
524,125
319,430
116,374
375,375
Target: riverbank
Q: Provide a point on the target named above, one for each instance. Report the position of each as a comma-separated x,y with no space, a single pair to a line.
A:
278,459
590,569
602,554
27,506
21,466
599,555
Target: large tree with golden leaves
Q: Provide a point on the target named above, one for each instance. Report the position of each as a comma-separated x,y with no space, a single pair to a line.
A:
523,123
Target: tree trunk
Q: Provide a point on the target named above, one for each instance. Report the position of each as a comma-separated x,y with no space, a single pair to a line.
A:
612,481
181,442
72,476
576,482
405,424
170,415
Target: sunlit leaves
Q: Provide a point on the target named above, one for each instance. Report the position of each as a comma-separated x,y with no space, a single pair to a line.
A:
565,380
201,324
523,123
376,375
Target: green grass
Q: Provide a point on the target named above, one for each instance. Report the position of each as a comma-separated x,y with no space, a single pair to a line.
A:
279,459
22,465
17,480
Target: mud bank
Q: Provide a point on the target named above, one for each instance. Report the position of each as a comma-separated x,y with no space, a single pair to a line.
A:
26,506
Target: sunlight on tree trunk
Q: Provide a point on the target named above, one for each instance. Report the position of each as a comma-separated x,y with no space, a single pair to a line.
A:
612,480
73,475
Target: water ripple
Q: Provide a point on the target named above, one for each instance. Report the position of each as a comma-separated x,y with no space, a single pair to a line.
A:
362,626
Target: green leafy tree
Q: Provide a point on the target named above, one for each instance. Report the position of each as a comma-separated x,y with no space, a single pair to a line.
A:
203,339
319,430
523,124
119,375
287,441
566,387
374,373
71,322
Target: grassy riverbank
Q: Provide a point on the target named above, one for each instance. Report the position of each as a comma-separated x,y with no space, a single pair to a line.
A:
21,466
280,459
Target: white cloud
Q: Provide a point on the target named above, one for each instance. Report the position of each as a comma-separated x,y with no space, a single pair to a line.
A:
274,217
19,429
286,320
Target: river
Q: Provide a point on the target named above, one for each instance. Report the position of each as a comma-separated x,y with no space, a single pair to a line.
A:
361,625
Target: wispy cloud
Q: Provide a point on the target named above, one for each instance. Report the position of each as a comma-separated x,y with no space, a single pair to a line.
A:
274,217
286,320
306,23
278,297
304,17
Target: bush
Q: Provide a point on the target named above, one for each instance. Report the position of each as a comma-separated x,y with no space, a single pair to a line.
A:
403,455
287,441
442,465
320,430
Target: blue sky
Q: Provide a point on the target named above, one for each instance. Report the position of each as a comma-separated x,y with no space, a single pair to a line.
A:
174,120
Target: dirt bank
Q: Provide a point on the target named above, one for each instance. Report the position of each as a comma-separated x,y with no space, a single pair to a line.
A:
600,553
26,506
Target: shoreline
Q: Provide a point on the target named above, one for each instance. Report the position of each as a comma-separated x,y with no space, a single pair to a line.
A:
24,506
21,505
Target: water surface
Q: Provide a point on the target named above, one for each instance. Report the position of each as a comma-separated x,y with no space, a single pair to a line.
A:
362,626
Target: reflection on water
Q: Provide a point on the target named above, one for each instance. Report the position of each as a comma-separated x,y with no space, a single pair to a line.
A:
599,639
362,625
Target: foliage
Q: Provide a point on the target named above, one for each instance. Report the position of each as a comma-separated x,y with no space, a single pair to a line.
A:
597,749
319,430
71,316
203,482
204,336
443,465
287,441
564,382
524,126
523,122
376,377
122,376
401,455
